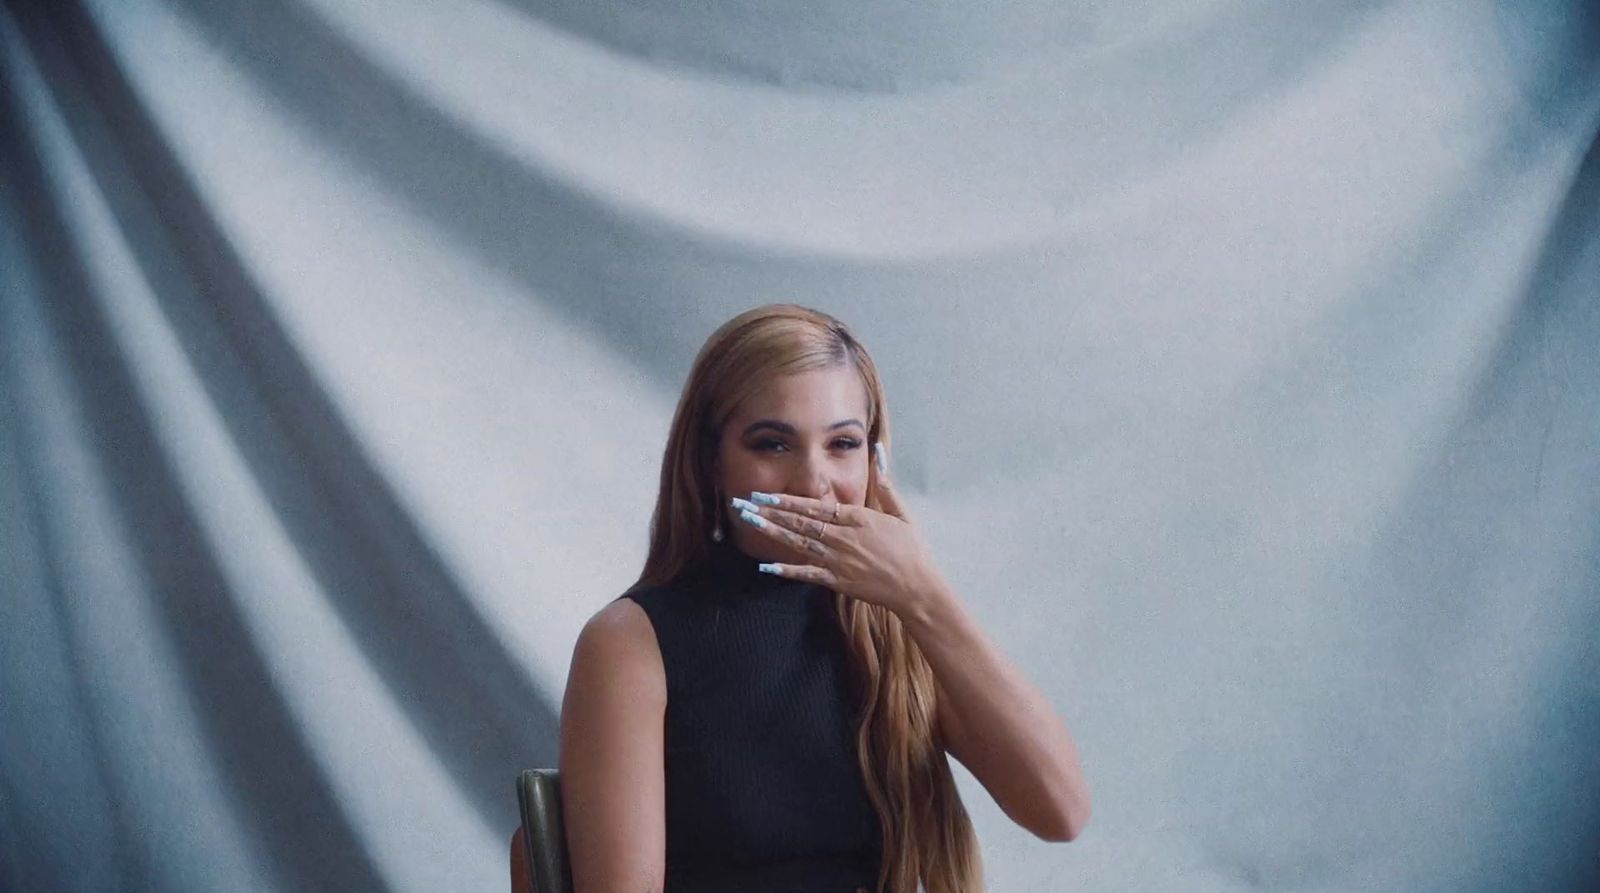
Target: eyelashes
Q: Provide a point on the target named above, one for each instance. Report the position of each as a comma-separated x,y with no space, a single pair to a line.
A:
766,445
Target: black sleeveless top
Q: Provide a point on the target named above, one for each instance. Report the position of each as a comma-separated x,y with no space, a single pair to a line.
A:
763,791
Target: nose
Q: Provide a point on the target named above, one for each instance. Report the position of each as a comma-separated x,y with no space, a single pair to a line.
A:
811,481
813,487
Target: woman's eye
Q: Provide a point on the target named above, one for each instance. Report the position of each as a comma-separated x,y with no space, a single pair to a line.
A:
843,443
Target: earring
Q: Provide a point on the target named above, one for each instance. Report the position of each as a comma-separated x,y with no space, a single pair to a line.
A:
716,532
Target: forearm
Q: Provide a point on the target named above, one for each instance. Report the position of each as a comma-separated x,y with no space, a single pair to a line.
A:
1014,742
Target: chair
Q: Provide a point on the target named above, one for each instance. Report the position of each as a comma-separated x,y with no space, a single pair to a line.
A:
544,836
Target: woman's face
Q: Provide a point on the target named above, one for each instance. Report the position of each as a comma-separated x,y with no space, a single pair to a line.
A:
803,434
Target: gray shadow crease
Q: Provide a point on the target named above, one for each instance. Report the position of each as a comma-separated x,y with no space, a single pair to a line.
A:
470,700
647,33
654,35
1570,253
1554,329
554,239
1382,281
546,235
646,290
124,861
1555,316
250,732
1554,340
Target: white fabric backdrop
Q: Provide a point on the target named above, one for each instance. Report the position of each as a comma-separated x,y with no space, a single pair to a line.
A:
1242,359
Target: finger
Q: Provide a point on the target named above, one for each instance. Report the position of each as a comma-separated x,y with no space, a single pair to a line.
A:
847,515
888,497
808,572
813,547
800,524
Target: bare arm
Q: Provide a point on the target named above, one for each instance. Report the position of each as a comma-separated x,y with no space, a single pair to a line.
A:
612,777
521,877
998,725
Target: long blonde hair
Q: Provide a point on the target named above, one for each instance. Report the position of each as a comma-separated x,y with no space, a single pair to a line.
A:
926,834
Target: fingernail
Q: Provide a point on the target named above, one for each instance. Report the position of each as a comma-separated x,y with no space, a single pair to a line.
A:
767,568
753,518
745,504
882,456
763,498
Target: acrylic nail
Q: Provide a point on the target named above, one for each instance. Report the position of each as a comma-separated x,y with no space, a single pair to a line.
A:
763,498
745,504
766,568
882,456
753,518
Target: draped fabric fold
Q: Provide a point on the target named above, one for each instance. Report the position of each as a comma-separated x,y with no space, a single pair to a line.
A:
1243,362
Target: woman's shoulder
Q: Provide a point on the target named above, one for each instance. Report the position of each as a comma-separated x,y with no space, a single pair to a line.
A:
620,640
635,613
626,616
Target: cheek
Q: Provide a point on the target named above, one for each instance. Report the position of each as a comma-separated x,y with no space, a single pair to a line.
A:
853,489
741,476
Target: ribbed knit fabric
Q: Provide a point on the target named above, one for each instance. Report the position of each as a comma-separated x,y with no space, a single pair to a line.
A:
763,791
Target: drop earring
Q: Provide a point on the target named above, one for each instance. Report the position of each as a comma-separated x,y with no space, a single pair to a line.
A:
716,532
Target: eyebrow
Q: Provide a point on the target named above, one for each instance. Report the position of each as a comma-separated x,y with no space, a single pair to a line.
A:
786,428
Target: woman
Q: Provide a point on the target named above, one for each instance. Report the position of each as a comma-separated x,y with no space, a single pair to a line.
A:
770,705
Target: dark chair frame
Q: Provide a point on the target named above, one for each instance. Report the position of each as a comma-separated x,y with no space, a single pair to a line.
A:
544,834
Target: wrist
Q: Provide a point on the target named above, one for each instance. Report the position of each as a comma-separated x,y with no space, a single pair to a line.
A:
931,607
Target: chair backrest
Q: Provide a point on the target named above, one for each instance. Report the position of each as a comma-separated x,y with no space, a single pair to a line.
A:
539,795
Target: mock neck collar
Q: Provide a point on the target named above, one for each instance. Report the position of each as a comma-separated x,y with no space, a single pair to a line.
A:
728,560
729,573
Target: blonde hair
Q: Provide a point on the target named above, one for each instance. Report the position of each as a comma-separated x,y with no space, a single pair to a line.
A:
927,836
